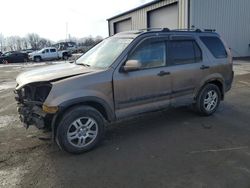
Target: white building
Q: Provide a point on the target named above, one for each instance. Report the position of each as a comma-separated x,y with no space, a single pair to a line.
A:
230,18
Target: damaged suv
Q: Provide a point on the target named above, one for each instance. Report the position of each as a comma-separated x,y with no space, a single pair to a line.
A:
127,74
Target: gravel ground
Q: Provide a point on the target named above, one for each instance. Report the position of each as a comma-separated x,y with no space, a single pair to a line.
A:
172,148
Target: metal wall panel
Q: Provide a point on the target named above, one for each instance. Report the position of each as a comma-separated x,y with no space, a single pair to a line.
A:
230,18
164,17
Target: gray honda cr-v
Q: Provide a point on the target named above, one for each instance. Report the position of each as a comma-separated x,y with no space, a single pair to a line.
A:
127,74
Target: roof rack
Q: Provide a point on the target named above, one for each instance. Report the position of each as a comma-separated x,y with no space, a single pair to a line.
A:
184,29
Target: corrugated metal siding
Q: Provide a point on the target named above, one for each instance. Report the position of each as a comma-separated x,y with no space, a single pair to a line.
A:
139,17
230,18
183,14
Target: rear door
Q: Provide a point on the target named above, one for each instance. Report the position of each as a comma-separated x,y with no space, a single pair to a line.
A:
13,58
46,54
148,88
185,62
53,53
220,58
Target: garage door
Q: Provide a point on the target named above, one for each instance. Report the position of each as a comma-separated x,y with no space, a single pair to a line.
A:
124,25
164,17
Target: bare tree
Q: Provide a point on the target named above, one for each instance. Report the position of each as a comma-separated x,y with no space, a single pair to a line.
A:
1,42
33,40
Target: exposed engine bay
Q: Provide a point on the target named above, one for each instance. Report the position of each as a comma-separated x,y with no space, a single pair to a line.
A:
30,99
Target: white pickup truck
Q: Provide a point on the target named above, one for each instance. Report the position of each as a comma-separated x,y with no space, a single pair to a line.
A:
50,53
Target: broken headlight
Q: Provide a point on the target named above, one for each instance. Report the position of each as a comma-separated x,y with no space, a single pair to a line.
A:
35,92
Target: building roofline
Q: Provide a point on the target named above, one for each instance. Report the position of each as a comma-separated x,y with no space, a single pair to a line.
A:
134,9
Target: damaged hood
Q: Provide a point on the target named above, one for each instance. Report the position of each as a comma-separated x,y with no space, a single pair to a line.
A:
51,72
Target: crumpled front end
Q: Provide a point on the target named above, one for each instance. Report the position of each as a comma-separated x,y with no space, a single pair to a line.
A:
30,99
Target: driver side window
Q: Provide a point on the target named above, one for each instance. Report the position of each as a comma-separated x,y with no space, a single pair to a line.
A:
151,54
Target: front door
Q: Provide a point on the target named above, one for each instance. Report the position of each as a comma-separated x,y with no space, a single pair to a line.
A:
148,88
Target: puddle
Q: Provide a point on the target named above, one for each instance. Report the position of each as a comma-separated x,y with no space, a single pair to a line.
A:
241,68
7,120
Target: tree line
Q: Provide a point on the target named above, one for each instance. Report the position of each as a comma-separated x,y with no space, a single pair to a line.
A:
34,41
17,43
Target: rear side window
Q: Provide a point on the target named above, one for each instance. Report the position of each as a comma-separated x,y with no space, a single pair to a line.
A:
184,52
215,46
52,50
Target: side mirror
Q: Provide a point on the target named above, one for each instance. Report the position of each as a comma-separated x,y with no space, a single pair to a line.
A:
131,65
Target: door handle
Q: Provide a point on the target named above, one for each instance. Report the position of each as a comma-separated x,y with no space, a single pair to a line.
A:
163,73
204,67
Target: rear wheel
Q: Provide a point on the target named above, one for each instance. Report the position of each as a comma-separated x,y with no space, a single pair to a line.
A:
208,100
65,57
80,130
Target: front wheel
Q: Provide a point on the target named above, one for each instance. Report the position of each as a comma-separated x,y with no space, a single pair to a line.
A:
37,59
208,100
80,130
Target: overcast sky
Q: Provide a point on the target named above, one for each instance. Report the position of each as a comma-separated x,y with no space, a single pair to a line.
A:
48,18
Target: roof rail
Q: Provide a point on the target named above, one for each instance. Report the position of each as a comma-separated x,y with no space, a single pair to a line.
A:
187,29
209,30
184,29
154,29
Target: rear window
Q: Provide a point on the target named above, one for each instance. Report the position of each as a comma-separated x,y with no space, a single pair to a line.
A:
215,46
52,50
184,52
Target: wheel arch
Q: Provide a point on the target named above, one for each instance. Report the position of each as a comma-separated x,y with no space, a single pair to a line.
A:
216,81
99,104
37,56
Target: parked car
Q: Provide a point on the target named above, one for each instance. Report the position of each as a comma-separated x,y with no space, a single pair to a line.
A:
14,57
127,74
69,46
50,53
28,51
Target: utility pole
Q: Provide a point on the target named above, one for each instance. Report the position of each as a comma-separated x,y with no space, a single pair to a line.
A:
66,31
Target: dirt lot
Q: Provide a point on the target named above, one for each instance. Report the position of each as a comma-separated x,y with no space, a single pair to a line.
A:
173,148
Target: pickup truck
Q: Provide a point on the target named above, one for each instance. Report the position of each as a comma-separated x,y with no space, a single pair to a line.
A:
50,53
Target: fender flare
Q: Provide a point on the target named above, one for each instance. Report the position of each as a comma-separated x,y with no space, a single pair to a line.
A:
208,81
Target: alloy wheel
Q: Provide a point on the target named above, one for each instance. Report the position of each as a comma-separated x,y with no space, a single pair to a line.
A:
82,132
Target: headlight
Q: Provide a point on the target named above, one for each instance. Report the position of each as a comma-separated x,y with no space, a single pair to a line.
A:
35,91
23,92
42,92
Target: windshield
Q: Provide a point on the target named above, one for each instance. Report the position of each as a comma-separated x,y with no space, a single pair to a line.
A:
104,53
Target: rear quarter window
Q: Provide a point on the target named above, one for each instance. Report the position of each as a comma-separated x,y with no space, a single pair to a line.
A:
215,46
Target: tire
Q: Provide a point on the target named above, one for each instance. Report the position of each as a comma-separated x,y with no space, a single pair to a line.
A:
37,59
81,129
208,100
65,57
25,60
